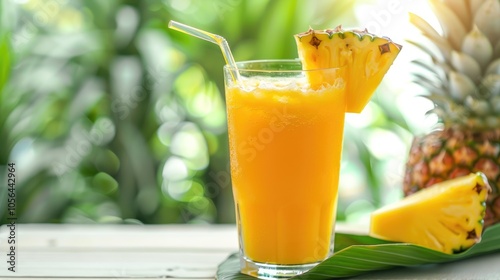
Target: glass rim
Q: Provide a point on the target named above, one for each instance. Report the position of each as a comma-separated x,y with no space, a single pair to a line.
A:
269,61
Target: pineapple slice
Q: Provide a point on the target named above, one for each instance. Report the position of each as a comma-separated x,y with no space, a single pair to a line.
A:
364,57
446,217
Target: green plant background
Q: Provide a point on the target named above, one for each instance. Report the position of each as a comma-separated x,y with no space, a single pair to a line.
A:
110,117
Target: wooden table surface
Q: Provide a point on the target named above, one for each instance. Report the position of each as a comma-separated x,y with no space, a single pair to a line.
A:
50,251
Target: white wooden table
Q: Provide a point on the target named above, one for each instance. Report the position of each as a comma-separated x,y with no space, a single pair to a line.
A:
165,251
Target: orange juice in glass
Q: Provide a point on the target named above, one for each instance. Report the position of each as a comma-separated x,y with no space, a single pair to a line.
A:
285,140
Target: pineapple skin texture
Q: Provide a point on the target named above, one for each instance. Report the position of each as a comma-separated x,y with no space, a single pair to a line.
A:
447,217
450,153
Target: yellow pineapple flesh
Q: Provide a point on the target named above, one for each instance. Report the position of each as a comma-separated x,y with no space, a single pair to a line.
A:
446,217
364,57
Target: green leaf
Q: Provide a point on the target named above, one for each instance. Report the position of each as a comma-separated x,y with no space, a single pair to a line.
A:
358,254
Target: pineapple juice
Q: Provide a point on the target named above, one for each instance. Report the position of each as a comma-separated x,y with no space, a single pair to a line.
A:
285,146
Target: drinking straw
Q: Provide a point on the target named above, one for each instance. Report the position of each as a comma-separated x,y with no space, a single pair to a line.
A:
213,38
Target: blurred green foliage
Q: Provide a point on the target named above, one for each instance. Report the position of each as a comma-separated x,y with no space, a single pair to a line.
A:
111,117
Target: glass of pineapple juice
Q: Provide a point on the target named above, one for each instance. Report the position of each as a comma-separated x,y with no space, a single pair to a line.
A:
285,140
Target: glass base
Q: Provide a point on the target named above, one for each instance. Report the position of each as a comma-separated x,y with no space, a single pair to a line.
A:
273,271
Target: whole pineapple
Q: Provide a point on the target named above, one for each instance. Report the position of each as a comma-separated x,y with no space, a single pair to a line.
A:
463,81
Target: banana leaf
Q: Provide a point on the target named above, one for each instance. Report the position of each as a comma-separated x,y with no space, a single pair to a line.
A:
359,254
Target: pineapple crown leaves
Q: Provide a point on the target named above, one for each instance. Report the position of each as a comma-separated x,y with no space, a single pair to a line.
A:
464,66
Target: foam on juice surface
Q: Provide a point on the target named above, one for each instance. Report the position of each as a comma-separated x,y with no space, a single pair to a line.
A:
286,84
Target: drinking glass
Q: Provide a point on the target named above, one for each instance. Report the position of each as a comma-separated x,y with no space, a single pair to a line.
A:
285,140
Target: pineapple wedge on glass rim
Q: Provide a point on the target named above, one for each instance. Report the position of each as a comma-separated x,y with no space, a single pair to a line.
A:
364,57
446,217
462,78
